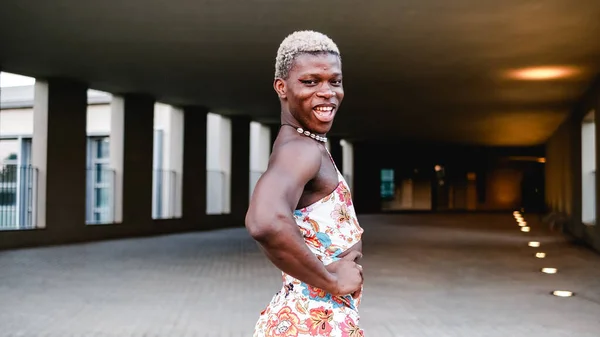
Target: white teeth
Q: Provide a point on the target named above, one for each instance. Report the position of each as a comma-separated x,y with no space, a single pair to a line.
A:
324,109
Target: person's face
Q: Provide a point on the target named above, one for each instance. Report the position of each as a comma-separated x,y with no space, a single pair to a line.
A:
313,90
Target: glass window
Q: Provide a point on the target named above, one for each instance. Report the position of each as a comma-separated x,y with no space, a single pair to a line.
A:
99,181
9,176
387,183
9,149
8,196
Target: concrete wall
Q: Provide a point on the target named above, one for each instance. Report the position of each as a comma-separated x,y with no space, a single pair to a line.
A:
19,122
564,170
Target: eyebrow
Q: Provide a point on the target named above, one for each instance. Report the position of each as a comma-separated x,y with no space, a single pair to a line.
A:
319,75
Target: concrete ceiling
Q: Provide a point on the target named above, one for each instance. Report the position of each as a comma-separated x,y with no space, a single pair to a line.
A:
413,69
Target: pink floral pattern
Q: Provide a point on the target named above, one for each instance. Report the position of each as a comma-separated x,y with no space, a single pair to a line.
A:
329,227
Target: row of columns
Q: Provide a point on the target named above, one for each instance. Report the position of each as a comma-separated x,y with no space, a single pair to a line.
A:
59,150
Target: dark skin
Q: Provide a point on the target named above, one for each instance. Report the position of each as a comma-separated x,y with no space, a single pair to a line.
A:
300,172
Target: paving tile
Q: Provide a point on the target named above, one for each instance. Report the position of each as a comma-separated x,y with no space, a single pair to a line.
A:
426,275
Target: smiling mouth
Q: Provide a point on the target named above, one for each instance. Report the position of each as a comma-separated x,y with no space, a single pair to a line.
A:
324,113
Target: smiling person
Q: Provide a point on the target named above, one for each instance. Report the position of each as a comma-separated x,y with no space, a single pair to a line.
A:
301,211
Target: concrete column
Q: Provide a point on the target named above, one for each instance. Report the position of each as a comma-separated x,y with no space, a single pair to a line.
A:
59,153
367,189
596,190
194,164
137,141
240,167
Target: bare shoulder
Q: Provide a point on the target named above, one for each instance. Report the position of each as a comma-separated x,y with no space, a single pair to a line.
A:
292,165
298,156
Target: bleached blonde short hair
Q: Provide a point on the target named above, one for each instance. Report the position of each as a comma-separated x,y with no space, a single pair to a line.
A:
300,42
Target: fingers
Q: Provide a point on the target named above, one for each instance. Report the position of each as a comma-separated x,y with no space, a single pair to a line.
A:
357,293
360,269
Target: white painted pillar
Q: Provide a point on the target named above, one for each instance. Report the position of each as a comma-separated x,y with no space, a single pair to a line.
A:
588,166
218,164
174,144
348,162
117,138
39,150
260,150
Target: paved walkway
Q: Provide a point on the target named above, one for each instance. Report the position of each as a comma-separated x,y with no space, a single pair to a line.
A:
427,275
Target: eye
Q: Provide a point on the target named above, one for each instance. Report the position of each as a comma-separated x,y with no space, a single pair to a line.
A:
309,82
337,82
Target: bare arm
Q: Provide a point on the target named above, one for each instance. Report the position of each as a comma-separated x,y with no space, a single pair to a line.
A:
269,219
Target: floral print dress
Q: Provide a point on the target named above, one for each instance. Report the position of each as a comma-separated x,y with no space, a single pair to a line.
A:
329,227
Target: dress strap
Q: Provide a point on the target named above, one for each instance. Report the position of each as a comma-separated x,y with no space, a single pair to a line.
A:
333,162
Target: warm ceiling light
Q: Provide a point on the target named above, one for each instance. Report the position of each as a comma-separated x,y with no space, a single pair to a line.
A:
525,229
540,255
562,293
542,73
534,244
522,224
541,160
549,270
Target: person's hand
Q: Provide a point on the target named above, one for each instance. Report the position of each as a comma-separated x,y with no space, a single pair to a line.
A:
348,274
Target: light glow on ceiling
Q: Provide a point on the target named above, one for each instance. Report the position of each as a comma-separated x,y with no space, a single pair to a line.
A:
543,73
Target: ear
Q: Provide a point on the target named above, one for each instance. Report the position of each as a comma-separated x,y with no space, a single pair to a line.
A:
280,88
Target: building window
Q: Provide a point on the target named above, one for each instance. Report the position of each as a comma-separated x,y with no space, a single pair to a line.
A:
387,183
17,184
100,182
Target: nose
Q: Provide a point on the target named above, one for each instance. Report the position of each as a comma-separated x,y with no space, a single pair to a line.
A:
326,92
